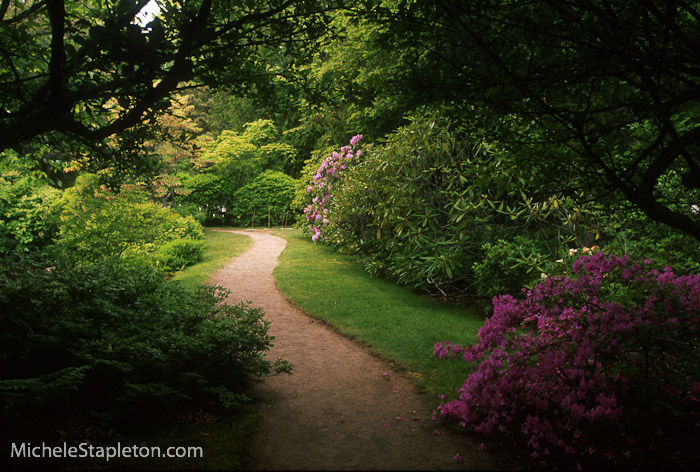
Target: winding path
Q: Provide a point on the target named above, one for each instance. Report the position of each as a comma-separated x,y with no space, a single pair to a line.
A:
339,408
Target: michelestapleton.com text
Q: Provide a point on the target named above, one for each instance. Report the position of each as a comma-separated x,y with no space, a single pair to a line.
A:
85,450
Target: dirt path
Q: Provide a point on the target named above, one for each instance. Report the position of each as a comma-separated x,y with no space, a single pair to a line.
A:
339,409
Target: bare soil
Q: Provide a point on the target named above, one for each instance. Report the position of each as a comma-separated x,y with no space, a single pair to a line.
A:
342,408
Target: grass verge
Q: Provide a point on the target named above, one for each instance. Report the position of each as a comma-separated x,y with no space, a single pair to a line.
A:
397,324
220,248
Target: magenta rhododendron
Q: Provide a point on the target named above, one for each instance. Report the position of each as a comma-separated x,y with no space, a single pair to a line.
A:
609,352
330,170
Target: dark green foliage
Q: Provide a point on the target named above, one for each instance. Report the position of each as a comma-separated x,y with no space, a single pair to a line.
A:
602,90
626,230
178,253
114,343
222,110
270,193
416,207
506,266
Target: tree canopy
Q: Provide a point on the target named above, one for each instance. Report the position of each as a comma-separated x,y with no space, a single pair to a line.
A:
89,71
598,98
608,87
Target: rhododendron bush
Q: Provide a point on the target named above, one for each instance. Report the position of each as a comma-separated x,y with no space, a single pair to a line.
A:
602,362
412,207
328,173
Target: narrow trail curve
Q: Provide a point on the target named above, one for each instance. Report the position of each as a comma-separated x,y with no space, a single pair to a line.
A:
332,412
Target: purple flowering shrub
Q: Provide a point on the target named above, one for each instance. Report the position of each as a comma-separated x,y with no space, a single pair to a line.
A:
327,175
603,362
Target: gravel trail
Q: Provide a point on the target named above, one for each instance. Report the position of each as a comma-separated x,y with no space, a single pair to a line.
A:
340,408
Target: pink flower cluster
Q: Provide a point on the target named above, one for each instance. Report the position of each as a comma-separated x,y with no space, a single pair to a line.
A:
328,172
585,354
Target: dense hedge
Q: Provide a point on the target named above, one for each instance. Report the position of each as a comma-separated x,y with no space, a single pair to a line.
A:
113,344
270,195
436,208
416,207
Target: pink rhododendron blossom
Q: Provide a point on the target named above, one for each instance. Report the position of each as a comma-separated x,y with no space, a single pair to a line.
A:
329,171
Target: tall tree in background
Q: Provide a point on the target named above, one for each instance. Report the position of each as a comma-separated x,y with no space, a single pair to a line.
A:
89,71
605,93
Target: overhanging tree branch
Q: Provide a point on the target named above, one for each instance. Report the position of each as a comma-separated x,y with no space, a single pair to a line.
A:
613,82
57,13
102,58
24,14
3,8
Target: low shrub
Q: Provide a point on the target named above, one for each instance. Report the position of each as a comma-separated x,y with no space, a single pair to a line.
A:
96,224
179,253
600,364
26,219
116,344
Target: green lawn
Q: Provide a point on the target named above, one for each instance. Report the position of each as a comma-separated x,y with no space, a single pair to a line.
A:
396,323
220,248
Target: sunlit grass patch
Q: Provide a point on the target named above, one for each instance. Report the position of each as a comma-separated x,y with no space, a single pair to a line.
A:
221,247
